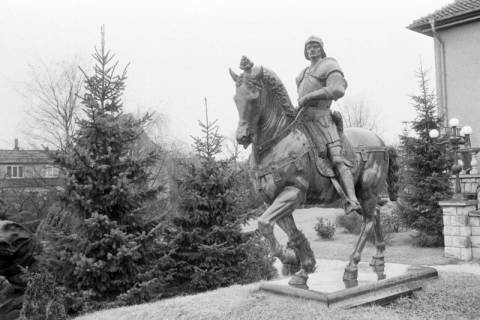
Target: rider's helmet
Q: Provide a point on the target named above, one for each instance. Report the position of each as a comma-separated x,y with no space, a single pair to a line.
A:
317,40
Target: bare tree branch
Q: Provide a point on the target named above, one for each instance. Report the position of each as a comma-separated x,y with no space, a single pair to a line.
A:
53,97
357,113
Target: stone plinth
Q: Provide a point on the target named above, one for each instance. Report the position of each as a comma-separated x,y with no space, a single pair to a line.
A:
377,285
474,221
457,228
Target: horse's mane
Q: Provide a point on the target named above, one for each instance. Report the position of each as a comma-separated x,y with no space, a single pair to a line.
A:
280,94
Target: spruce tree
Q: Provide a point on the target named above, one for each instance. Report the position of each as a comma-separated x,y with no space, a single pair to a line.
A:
107,185
206,248
426,169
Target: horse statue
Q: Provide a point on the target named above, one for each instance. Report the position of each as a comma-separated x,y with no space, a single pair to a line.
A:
285,170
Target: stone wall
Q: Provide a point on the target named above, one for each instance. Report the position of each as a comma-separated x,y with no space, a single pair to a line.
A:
461,229
474,220
469,183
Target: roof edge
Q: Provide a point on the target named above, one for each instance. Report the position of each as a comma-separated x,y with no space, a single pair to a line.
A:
426,29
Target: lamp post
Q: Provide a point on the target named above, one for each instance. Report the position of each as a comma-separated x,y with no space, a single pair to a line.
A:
456,137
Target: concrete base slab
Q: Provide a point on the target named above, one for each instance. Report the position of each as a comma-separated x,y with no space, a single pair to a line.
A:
378,284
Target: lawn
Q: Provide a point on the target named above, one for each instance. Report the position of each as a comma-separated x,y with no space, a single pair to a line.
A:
452,296
399,249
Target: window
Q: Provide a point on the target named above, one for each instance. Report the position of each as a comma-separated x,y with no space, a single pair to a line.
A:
50,172
14,172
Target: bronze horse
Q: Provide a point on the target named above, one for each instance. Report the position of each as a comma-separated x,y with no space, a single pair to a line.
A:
284,170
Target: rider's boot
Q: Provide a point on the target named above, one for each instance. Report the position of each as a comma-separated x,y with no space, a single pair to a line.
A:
346,180
345,177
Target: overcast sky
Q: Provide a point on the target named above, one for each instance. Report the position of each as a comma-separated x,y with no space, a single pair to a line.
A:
180,51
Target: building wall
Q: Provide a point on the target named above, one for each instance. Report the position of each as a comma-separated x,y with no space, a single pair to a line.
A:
462,66
29,170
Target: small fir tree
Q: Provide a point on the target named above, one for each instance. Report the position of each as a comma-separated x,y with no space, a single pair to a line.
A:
206,248
426,169
107,185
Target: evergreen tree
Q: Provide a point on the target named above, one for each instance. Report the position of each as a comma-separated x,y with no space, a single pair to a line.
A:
206,248
107,185
426,176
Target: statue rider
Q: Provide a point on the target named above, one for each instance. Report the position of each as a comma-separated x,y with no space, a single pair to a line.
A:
319,84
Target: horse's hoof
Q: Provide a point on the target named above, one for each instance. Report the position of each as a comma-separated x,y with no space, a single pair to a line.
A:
381,275
289,269
310,265
299,280
377,261
350,283
350,274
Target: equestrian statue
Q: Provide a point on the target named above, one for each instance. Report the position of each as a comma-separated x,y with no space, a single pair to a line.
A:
304,156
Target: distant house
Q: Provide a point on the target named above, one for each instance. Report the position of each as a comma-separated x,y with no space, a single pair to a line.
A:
29,170
455,29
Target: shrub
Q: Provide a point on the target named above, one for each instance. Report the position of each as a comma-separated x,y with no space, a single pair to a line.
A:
423,239
42,299
389,219
352,222
325,228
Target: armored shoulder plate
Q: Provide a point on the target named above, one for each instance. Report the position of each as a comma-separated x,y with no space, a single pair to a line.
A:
325,67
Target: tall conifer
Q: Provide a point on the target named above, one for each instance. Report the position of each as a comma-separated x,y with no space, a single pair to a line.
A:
426,176
206,246
107,186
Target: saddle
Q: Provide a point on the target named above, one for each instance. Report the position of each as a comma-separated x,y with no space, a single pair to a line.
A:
320,153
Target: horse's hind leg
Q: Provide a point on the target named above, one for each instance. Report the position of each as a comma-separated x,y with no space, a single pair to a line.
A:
378,259
368,206
283,205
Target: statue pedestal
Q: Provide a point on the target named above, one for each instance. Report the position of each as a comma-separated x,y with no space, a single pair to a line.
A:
457,228
378,285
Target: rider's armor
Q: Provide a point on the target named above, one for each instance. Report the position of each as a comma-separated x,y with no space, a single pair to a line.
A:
317,116
327,75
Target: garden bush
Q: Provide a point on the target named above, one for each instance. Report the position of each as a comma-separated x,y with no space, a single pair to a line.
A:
423,239
325,228
42,299
352,222
390,221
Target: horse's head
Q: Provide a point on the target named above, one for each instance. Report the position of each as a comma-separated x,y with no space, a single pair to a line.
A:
247,99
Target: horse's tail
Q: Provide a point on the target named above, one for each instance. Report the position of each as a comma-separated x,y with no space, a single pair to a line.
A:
393,176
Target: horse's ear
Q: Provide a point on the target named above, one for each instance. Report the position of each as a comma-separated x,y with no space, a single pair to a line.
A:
259,75
233,75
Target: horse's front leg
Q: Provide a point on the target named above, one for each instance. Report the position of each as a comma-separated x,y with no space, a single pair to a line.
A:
280,211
